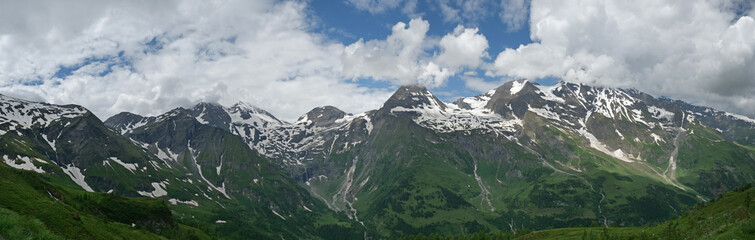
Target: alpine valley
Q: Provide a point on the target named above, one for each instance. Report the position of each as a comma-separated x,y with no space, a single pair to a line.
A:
521,156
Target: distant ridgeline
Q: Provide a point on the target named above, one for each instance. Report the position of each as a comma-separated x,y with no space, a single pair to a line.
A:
521,156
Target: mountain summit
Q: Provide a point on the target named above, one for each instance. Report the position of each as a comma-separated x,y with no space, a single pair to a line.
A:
413,98
322,116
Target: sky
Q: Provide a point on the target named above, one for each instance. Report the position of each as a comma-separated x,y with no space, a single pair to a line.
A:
287,57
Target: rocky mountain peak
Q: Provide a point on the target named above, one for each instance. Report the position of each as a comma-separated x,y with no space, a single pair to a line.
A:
515,98
243,112
124,122
413,97
322,116
24,114
210,113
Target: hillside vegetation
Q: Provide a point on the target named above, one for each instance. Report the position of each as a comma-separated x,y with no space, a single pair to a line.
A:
728,217
32,208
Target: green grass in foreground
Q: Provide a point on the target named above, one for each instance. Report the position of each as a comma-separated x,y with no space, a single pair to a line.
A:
33,208
728,217
14,226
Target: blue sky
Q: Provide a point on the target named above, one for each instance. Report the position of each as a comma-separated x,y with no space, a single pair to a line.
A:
289,56
344,22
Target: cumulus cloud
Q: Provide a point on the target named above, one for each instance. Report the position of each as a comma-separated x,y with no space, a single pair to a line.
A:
403,58
699,51
398,57
514,13
480,85
377,6
465,11
464,47
149,57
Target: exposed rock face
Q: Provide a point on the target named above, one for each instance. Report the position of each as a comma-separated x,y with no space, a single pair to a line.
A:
322,117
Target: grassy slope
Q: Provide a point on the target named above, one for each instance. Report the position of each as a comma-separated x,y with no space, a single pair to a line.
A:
426,184
257,186
712,165
420,182
74,214
89,143
729,217
14,226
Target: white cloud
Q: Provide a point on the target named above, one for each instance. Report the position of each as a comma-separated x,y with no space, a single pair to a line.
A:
467,12
450,14
148,58
255,51
696,51
463,47
403,58
410,9
480,85
433,75
376,6
400,58
531,61
514,13
464,11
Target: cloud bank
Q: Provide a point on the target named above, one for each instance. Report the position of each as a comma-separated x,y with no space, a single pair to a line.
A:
699,51
404,57
512,13
149,57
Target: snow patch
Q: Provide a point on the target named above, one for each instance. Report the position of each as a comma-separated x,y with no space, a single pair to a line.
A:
169,156
637,117
25,114
456,118
306,208
75,174
544,113
220,166
660,113
740,117
548,94
619,133
26,163
597,145
176,202
657,138
201,175
276,213
517,86
200,117
130,166
368,124
51,143
158,192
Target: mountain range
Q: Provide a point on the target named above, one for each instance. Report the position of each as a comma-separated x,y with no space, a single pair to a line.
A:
519,156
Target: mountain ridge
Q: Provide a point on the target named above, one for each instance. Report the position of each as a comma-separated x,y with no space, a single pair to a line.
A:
520,154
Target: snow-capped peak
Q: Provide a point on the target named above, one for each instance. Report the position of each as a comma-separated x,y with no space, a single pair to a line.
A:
414,98
322,117
244,112
466,114
517,86
24,114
